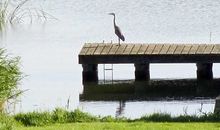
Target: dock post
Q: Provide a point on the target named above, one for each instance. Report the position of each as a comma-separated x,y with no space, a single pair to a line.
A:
204,71
90,72
142,71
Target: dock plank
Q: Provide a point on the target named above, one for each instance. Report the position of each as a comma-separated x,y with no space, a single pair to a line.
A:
143,49
99,49
172,49
92,49
216,49
157,49
106,49
85,49
108,53
193,49
150,49
164,49
208,49
113,49
186,49
201,49
121,49
179,49
128,49
135,49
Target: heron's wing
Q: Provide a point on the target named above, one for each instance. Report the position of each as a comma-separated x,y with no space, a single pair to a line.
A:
119,33
122,38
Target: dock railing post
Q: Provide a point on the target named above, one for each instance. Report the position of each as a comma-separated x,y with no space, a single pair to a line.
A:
90,72
204,71
142,71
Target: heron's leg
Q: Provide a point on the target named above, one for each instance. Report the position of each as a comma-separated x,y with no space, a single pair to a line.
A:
119,41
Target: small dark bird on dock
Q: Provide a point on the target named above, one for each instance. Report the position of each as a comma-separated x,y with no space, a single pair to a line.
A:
117,30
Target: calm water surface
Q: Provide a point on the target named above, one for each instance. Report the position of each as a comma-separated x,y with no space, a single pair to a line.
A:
49,50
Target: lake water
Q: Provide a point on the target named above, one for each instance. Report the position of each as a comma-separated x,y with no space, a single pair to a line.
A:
49,50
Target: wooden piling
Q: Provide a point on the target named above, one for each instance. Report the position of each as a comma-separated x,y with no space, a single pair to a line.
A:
142,71
204,71
90,72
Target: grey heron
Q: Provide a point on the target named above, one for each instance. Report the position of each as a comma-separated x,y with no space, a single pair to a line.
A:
117,30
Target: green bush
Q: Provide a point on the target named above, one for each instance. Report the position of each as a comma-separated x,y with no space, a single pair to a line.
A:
10,75
79,116
157,117
186,118
6,122
57,116
60,115
34,118
108,119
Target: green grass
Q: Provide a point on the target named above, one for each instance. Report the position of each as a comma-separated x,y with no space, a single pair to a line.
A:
128,126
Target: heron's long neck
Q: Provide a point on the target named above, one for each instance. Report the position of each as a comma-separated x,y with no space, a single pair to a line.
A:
114,21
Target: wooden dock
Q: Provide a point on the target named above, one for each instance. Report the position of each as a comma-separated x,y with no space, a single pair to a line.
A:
141,55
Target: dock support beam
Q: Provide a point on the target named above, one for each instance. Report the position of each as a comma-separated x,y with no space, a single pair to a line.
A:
90,72
142,71
204,71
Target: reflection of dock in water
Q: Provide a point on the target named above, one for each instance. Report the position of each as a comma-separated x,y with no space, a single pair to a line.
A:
151,90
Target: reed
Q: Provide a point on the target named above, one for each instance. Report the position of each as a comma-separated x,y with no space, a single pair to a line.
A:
20,12
10,75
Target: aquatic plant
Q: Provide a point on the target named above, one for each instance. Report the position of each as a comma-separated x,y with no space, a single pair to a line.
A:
10,75
18,11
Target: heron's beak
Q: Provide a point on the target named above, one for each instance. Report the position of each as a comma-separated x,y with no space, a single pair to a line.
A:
111,13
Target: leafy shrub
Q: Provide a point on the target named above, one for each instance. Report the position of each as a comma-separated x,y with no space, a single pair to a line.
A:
79,116
60,115
6,122
34,118
57,116
186,118
157,117
108,119
10,75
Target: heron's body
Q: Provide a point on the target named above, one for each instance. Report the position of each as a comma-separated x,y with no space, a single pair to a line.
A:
117,30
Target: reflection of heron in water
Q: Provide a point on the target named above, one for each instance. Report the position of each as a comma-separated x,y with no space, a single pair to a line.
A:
120,109
117,30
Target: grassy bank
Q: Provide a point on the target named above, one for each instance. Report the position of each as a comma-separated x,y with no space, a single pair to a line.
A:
60,116
61,119
128,126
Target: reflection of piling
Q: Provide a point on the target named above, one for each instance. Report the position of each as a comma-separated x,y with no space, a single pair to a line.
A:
120,109
153,89
217,105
